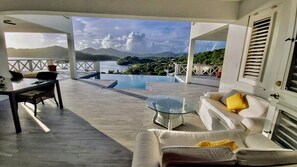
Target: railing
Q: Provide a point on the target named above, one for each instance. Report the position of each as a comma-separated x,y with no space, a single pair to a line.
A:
198,69
27,64
30,65
20,65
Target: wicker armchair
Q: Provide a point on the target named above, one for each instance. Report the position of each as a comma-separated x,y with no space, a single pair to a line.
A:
39,95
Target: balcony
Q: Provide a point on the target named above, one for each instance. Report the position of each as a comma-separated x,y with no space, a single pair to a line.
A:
97,126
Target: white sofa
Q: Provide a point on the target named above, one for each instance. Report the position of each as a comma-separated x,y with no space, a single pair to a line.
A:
156,148
214,113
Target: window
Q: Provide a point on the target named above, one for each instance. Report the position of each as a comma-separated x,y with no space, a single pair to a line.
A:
285,130
292,79
257,47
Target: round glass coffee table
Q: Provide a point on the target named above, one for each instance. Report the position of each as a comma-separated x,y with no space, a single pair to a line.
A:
170,109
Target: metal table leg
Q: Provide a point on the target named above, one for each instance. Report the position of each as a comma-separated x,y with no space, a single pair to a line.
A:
14,111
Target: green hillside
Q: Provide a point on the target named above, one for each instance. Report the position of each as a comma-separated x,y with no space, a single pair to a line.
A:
57,53
159,66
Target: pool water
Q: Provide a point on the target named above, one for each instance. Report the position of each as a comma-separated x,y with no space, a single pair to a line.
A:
136,81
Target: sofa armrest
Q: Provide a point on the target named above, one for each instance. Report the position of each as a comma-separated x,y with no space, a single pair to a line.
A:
253,124
147,151
190,155
265,157
214,95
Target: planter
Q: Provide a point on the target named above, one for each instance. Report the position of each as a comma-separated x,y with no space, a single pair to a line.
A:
52,67
218,74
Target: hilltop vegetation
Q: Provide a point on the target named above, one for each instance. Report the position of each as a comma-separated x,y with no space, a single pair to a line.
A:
214,57
56,53
159,66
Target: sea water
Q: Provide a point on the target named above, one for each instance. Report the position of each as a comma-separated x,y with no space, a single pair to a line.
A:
105,66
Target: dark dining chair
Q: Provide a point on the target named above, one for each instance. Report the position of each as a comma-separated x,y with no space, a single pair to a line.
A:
39,95
16,76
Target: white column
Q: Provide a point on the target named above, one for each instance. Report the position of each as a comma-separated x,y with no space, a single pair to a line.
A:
71,52
97,66
190,61
3,53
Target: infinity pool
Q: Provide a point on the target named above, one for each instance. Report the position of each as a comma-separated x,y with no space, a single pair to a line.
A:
136,81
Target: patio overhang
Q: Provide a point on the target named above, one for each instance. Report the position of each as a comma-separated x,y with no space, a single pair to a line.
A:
38,24
210,31
189,10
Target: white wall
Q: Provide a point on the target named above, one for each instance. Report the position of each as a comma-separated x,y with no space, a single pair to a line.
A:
234,52
191,10
3,53
199,28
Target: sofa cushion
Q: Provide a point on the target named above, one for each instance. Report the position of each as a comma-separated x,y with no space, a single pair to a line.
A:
257,107
176,138
236,102
184,156
253,124
258,140
265,157
225,96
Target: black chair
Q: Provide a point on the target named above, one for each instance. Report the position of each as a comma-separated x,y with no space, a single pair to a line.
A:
39,95
16,76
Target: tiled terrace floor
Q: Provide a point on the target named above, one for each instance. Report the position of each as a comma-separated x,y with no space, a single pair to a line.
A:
97,127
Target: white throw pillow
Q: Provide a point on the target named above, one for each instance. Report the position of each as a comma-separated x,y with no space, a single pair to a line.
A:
257,107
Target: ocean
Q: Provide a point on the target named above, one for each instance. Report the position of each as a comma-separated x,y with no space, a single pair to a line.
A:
111,65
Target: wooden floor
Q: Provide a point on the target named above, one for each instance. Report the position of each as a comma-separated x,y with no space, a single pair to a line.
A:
97,127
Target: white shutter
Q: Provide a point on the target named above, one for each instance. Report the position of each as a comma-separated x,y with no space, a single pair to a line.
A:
257,46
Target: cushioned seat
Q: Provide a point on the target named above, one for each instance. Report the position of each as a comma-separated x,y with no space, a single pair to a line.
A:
155,148
212,109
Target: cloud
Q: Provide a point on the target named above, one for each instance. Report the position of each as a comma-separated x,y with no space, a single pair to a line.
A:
110,42
202,46
136,43
133,42
35,40
132,35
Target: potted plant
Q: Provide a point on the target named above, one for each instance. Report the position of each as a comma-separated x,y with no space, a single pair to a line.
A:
52,67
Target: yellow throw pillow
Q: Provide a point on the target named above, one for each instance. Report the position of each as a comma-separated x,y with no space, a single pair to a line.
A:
218,143
236,102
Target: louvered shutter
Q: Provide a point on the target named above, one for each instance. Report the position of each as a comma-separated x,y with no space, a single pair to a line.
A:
257,50
292,79
285,131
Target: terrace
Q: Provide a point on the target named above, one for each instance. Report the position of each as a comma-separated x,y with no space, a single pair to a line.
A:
98,125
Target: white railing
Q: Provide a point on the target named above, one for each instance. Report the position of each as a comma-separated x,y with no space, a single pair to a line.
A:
26,65
198,69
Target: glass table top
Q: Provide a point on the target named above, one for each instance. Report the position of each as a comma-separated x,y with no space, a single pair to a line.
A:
171,104
21,84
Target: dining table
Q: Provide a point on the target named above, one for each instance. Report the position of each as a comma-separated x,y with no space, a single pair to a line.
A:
13,88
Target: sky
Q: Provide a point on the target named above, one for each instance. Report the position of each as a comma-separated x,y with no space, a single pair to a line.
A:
129,35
